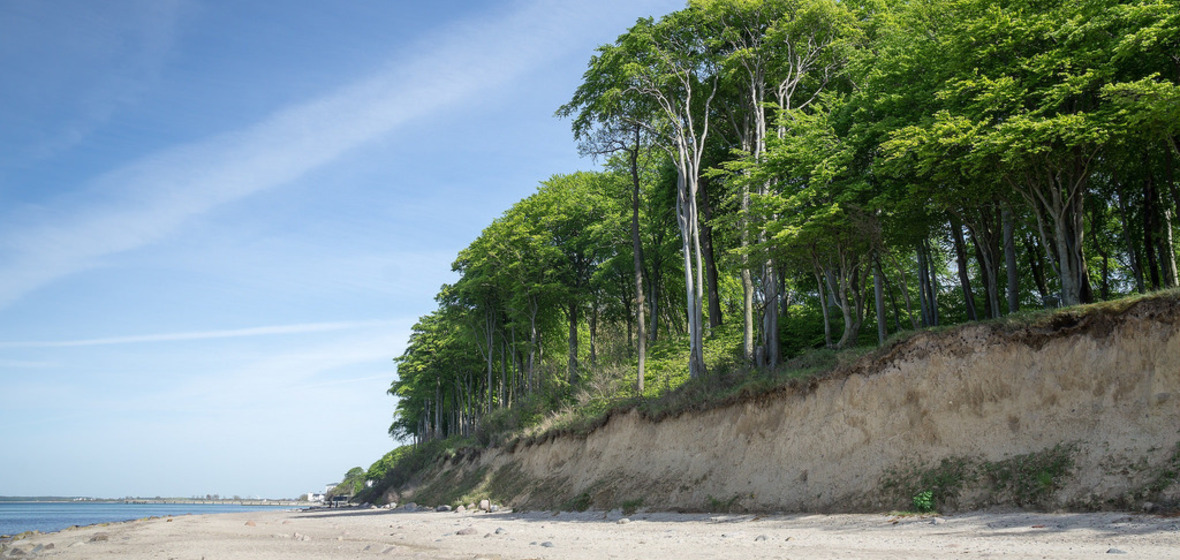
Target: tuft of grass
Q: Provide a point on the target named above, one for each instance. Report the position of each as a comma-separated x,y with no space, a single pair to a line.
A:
629,507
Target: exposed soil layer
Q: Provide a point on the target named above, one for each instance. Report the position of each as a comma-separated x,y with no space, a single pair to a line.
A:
1075,410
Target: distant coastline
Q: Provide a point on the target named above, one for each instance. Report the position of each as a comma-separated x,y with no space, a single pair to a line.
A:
176,501
56,514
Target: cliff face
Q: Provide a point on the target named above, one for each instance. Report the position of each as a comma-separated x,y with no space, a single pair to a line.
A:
1081,411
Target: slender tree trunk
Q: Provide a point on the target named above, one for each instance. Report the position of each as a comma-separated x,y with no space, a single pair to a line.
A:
746,276
964,274
1132,251
903,285
572,315
770,317
879,295
923,286
1036,265
706,228
637,254
1170,212
1149,227
594,336
1009,226
823,307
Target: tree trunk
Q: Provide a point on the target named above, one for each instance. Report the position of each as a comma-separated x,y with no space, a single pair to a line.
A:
706,229
637,254
1149,227
572,315
964,274
770,317
1132,252
1036,265
879,295
594,336
903,285
823,306
1009,226
923,286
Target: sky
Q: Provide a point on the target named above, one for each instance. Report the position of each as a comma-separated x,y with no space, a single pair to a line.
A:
219,221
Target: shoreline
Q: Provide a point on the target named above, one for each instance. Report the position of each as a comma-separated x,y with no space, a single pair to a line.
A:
15,524
361,533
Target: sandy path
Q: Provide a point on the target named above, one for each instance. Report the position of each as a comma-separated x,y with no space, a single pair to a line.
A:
376,534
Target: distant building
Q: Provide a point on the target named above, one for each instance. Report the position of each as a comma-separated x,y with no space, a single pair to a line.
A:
315,497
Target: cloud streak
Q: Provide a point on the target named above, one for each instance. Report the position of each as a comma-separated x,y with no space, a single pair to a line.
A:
150,199
303,328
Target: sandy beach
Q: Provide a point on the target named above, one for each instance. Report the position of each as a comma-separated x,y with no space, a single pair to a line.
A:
364,533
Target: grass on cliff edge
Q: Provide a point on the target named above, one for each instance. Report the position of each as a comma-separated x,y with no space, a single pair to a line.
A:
670,392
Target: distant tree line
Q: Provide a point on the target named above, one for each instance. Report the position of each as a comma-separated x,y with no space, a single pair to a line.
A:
817,173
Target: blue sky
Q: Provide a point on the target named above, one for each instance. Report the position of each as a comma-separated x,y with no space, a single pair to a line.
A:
219,220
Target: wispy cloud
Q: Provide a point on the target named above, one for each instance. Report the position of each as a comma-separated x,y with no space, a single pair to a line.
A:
303,328
153,197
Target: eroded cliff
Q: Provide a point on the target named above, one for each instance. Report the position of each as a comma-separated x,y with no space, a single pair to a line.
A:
1077,410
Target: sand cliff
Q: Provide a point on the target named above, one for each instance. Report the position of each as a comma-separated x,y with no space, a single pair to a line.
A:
1080,410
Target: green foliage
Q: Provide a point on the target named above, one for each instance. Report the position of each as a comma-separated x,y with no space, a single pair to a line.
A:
581,502
924,501
1027,480
844,140
1031,478
629,507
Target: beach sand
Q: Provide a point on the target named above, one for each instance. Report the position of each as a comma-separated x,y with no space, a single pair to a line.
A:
377,534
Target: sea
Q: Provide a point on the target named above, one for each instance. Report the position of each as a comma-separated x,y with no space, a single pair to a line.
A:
18,517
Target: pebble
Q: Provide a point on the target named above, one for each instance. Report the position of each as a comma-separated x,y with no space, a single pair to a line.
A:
467,531
547,544
500,531
760,538
1116,551
623,521
937,521
443,508
100,537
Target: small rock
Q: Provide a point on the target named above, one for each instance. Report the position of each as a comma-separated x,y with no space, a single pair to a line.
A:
251,523
937,521
1115,551
467,531
100,537
485,505
1148,507
760,538
461,509
623,521
442,508
547,544
470,507
15,553
49,546
494,509
500,531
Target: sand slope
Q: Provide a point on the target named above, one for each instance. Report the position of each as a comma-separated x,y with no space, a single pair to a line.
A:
1101,389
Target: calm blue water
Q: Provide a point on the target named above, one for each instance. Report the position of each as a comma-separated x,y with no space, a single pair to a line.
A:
18,517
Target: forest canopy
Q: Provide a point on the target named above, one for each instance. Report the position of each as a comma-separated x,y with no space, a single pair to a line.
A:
786,176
